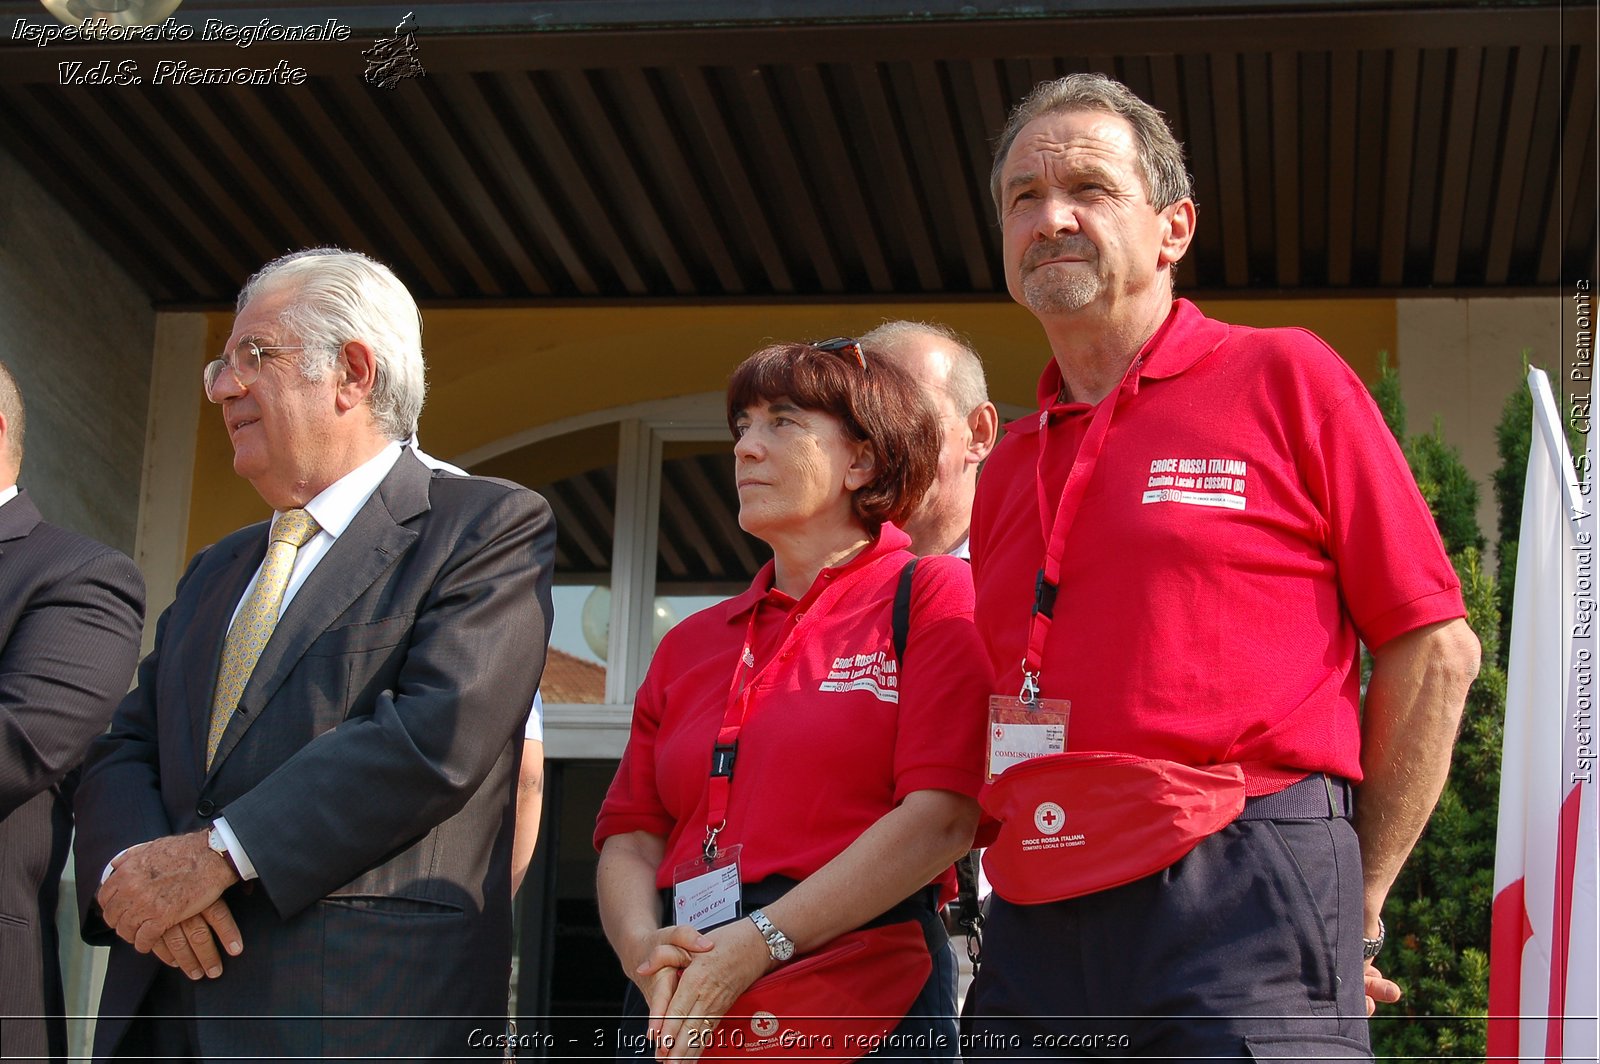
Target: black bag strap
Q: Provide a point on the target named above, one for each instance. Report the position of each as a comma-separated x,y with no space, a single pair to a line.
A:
900,619
969,915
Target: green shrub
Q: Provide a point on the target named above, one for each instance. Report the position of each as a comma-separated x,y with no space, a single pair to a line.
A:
1438,910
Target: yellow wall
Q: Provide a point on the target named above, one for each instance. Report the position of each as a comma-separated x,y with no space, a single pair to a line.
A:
221,501
1464,359
496,372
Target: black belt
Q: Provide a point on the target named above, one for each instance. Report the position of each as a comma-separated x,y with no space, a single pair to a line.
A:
1317,797
921,907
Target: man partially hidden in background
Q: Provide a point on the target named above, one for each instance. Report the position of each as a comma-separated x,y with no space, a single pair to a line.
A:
951,375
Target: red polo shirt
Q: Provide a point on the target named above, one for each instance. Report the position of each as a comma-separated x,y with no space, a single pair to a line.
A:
837,732
1250,519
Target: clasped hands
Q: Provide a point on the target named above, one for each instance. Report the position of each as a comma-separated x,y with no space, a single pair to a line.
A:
165,896
689,980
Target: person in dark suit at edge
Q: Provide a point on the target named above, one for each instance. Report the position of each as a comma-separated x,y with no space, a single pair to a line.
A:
305,807
71,612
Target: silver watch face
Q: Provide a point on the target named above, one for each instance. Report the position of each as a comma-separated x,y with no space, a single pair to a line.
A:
778,944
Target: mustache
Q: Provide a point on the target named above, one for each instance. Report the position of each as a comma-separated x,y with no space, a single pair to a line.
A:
1076,246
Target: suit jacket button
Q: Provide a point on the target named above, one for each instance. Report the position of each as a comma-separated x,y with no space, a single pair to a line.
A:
205,808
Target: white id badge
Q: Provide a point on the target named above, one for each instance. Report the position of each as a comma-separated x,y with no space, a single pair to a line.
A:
1020,730
705,895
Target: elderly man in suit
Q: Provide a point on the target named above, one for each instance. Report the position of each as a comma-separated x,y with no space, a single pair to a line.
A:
305,806
71,611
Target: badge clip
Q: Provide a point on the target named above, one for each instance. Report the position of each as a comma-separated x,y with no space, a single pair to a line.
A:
710,849
1029,695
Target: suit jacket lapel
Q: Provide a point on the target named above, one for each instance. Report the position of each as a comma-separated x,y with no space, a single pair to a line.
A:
373,543
17,518
208,626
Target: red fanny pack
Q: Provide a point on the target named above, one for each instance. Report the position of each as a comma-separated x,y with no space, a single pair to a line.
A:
836,1003
1075,823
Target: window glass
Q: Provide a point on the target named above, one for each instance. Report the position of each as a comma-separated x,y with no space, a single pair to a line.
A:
577,475
703,555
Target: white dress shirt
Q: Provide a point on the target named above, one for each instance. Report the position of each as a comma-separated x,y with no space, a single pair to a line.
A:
333,510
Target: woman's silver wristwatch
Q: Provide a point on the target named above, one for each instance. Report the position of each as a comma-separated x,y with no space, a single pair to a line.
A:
778,943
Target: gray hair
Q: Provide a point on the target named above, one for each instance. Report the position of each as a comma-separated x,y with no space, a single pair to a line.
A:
967,387
1166,179
11,407
342,296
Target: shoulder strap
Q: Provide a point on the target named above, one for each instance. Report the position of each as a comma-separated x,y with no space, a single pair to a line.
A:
969,916
900,620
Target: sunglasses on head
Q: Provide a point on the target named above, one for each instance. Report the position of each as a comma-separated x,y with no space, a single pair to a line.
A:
844,347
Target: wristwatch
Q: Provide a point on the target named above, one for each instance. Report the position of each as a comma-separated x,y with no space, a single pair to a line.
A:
1371,946
219,847
778,943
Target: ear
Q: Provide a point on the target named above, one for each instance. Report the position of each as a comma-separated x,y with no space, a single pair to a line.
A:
861,469
983,429
1179,231
9,469
357,372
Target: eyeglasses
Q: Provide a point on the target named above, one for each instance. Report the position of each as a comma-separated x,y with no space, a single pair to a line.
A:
845,347
244,363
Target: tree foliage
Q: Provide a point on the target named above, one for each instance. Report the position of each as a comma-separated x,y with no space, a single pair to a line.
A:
1438,910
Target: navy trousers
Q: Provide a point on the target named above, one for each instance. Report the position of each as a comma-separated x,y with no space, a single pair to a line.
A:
1249,948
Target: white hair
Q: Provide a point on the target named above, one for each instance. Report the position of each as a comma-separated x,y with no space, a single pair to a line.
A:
966,386
341,296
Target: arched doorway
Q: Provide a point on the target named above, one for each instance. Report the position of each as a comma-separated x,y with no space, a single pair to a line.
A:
647,533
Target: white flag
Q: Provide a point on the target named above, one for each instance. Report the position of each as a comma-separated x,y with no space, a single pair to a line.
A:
1544,960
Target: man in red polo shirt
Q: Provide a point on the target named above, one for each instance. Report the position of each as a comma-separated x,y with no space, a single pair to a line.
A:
1229,520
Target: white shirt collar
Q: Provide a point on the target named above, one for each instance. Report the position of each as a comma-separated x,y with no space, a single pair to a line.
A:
337,505
7,494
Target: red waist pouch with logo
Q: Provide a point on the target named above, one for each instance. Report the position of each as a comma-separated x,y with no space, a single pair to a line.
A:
836,1003
1080,822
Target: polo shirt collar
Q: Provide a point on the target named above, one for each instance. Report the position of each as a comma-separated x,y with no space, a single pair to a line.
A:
890,539
1184,339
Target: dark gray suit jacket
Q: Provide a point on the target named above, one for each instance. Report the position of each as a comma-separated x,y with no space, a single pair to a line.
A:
71,611
369,772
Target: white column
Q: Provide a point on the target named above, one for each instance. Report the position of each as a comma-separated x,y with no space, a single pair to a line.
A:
160,550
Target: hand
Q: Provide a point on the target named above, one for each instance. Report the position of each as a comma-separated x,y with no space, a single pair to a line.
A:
153,887
708,987
1378,988
190,945
664,954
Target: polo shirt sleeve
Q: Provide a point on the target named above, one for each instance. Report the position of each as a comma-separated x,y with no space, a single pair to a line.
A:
1393,573
944,686
633,802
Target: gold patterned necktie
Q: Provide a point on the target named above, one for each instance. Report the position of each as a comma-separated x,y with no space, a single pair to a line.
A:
257,618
